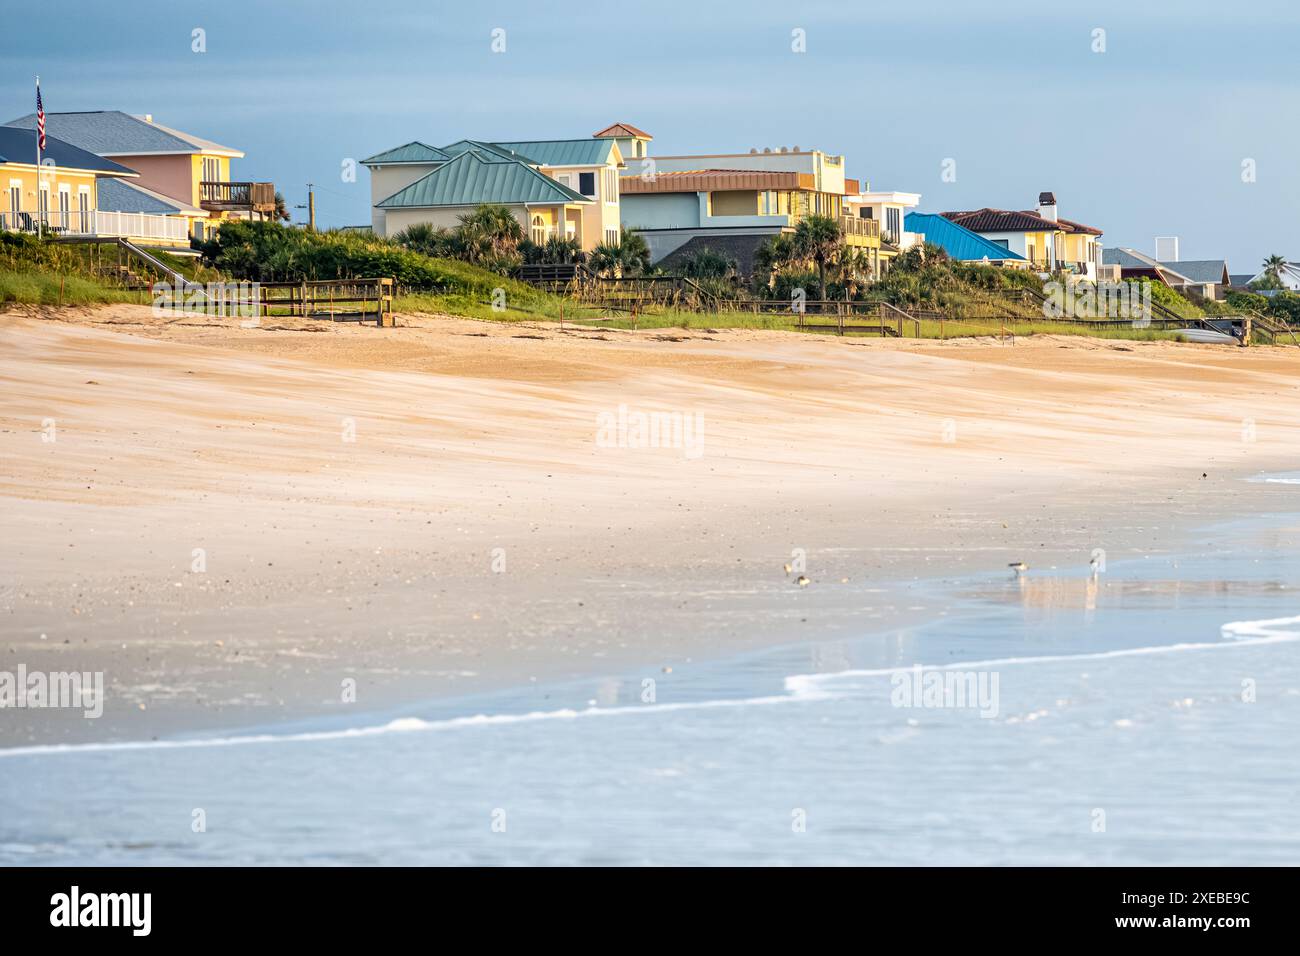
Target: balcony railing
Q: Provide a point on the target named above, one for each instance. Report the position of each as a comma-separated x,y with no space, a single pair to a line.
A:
857,226
97,222
222,196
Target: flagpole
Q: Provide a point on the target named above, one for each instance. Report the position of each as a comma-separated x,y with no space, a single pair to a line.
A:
39,224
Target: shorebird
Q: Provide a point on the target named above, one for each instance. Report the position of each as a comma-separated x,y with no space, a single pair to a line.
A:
1094,564
802,582
1019,567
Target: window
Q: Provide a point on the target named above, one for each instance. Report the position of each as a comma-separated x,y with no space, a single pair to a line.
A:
611,236
1004,243
866,212
611,185
893,223
83,208
538,232
15,202
65,207
211,169
43,204
564,179
587,184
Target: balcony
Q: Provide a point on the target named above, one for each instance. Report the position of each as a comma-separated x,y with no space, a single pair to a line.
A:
857,226
172,230
237,197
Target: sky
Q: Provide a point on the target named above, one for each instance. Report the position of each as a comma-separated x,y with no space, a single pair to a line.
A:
1180,119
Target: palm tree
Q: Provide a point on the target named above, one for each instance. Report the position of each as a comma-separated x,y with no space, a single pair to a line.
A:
281,210
1274,265
491,230
633,253
773,255
604,259
818,239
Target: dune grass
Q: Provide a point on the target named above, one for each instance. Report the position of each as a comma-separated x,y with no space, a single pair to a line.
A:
31,287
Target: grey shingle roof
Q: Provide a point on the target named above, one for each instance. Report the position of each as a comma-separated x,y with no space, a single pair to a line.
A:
115,195
1199,270
112,132
471,179
19,146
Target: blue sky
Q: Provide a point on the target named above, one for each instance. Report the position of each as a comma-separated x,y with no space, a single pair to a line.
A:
1145,139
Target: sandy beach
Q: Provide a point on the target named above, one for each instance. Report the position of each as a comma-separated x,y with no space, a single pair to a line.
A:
232,522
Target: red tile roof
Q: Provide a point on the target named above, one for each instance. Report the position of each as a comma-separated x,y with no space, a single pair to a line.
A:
1079,227
621,129
1015,220
1000,220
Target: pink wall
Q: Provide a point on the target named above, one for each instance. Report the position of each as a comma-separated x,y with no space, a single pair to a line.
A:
170,175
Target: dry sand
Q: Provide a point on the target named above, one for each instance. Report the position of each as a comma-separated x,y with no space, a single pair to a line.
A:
373,559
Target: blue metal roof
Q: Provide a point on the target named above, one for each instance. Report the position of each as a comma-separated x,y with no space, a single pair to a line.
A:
19,146
958,241
471,179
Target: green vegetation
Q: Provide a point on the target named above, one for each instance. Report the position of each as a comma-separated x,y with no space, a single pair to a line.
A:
41,272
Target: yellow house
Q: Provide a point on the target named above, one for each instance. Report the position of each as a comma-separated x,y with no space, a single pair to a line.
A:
181,176
60,197
1049,242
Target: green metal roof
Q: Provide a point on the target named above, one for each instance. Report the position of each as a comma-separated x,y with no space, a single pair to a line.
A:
413,152
563,152
488,151
471,179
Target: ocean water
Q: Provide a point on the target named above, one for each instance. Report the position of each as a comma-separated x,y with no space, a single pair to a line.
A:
1149,715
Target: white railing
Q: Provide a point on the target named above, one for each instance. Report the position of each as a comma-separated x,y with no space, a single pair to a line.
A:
98,222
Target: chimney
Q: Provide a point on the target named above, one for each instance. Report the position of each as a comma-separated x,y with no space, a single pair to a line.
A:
1166,248
1047,206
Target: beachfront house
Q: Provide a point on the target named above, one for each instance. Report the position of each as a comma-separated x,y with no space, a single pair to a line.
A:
564,188
1288,277
1199,278
731,203
961,243
61,197
1041,236
183,190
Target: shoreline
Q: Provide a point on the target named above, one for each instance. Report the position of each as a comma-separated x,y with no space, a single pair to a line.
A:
371,560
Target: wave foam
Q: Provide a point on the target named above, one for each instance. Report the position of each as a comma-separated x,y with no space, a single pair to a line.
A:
800,688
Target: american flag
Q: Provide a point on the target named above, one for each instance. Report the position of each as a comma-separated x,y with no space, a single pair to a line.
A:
40,118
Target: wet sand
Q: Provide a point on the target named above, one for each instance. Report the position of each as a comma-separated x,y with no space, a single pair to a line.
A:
232,523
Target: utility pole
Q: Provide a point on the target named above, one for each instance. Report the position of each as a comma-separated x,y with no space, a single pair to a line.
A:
310,207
